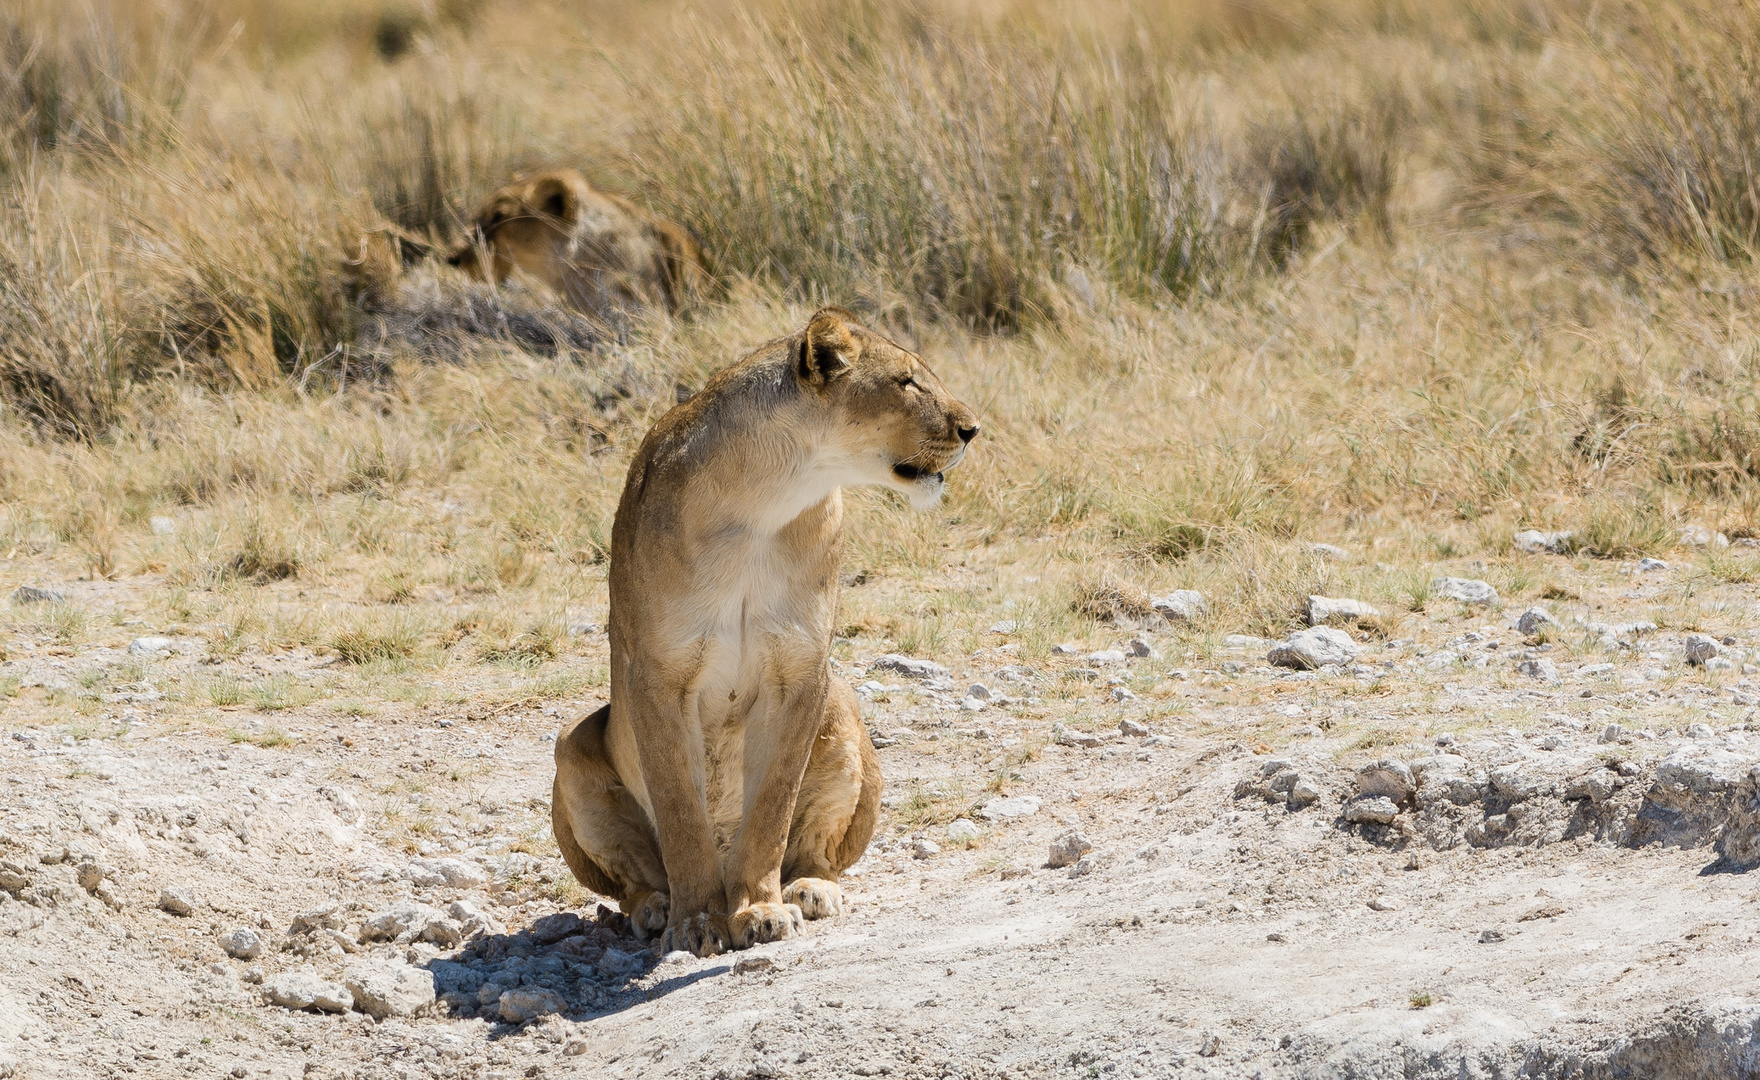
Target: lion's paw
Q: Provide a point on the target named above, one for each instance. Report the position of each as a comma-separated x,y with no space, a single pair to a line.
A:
705,934
648,913
818,898
755,924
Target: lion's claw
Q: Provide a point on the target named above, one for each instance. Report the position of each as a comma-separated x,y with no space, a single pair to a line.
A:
755,924
818,898
705,934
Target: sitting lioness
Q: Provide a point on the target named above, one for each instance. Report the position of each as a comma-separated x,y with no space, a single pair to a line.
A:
599,252
730,781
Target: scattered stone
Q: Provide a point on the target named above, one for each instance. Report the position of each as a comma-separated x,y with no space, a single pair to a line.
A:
1701,647
177,901
389,989
1648,565
1544,670
12,878
90,875
1123,693
1388,777
1554,742
1490,937
910,667
453,873
553,928
1303,793
1246,641
1131,728
527,1003
1065,649
1014,806
402,922
1385,903
1181,605
242,944
1700,731
1700,536
1211,1046
1740,698
1307,650
1006,626
1084,866
1720,663
923,847
1612,733
1466,590
751,965
1535,542
618,964
1072,737
1107,656
150,646
162,526
316,920
1534,620
1331,551
979,691
31,594
1068,848
1371,810
304,989
1326,609
473,921
1140,648
962,832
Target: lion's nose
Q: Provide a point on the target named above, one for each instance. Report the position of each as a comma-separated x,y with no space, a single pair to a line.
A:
967,434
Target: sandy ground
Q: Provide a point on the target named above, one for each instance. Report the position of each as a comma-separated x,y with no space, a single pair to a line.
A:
1549,898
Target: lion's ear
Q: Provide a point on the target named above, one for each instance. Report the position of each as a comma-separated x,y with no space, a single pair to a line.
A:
552,195
829,346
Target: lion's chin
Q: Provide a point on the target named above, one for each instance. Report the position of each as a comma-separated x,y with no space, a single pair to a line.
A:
925,493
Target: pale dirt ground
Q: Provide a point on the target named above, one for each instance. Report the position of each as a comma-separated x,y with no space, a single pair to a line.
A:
1217,932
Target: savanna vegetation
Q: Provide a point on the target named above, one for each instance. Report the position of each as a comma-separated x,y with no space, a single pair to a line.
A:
1222,279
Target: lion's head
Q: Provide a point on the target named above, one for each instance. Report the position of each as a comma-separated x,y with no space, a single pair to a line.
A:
895,424
597,250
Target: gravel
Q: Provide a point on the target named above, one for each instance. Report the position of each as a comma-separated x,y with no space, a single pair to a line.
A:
527,1003
910,667
1068,848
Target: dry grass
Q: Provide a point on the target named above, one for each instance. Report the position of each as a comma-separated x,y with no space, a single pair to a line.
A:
1221,280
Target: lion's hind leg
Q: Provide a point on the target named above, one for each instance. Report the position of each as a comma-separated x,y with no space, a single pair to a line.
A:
834,816
603,832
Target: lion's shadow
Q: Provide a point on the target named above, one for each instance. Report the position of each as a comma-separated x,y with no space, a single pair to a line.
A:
579,968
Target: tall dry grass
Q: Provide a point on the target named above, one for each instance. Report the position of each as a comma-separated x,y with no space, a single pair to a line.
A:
1221,278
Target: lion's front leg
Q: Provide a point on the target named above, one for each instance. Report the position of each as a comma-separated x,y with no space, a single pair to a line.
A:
779,740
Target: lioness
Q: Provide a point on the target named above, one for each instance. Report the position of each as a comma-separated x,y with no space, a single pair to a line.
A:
601,253
729,761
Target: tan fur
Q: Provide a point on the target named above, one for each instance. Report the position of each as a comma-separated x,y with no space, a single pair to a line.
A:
729,761
600,252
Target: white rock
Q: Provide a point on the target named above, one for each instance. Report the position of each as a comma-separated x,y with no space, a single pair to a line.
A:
1012,807
162,526
1303,793
150,646
1701,647
1131,729
1554,741
1065,649
1246,641
1107,656
1648,565
304,989
389,989
1071,737
1542,669
909,666
1534,620
242,944
980,691
405,920
176,900
1313,648
1375,810
1720,663
971,704
1535,542
1331,551
961,831
527,1003
1385,903
1067,849
1122,693
1084,866
923,848
1700,536
1326,609
1181,605
1140,648
1466,590
1699,731
1006,626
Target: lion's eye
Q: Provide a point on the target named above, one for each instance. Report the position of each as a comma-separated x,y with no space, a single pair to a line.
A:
907,381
